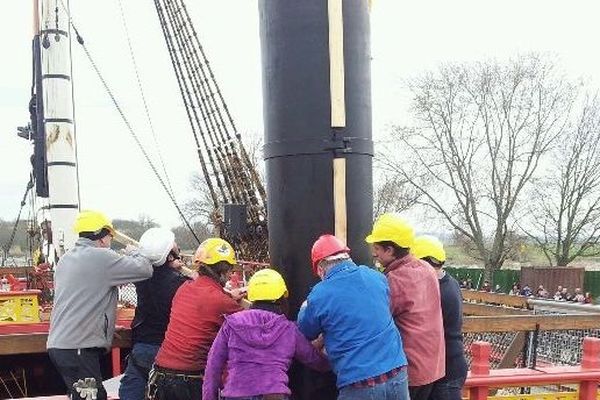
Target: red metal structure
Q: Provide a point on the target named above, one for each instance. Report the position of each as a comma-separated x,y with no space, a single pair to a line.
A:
481,378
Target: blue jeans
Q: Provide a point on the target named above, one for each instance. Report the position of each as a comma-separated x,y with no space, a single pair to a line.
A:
448,389
133,382
395,388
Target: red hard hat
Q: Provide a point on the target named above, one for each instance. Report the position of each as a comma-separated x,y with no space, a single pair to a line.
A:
325,246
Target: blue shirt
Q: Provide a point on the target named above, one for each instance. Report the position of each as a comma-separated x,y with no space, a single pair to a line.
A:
351,307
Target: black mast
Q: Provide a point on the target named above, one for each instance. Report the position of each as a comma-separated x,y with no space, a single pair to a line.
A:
310,121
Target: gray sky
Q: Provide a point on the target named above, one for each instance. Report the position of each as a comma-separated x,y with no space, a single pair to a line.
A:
407,38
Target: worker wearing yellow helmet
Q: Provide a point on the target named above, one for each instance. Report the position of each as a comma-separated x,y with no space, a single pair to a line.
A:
415,302
86,281
431,250
95,226
259,339
197,313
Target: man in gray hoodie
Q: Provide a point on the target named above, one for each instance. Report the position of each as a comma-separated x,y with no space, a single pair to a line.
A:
86,281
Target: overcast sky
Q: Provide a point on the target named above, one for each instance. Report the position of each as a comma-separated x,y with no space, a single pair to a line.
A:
407,38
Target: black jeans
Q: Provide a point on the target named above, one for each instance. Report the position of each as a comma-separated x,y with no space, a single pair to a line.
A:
448,388
170,385
420,392
79,364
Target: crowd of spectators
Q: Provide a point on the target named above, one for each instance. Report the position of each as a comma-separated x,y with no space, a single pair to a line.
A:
561,294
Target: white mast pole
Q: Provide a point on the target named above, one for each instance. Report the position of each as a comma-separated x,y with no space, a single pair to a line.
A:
63,199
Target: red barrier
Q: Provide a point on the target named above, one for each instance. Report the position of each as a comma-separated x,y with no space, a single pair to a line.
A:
481,378
115,356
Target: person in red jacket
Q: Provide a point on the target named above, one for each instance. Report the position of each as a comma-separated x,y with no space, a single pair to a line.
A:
415,302
197,314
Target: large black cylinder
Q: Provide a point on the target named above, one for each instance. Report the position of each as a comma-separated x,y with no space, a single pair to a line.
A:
300,143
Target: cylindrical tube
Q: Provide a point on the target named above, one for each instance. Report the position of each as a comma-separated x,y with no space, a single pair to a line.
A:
300,142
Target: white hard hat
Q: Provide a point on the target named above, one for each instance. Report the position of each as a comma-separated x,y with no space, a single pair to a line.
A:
155,245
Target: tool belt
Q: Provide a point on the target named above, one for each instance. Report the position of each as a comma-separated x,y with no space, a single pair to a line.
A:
174,373
158,374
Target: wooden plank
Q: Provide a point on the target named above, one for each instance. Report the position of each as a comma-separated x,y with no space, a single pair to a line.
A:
339,198
488,309
25,343
513,351
495,298
30,343
336,63
17,271
528,323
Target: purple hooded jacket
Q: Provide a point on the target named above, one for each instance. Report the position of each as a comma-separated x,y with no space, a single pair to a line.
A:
258,347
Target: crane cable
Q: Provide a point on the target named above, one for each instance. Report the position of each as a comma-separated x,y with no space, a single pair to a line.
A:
127,123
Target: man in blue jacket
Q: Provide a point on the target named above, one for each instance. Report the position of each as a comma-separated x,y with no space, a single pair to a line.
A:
351,308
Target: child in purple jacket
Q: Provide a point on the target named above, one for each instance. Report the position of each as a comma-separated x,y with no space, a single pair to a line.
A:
258,346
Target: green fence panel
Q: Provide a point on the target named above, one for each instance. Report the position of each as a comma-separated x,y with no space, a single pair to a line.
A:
591,283
505,279
464,274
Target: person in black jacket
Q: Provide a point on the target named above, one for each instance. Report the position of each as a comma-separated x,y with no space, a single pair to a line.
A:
431,250
154,298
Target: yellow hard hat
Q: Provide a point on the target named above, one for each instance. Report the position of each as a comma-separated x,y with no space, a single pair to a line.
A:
214,250
428,246
92,221
391,227
266,284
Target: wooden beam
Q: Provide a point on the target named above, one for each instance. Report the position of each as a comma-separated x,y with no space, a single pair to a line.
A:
488,309
517,323
513,351
339,199
30,343
15,270
495,298
336,63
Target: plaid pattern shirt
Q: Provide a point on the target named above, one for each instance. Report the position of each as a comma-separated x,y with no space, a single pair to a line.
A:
376,380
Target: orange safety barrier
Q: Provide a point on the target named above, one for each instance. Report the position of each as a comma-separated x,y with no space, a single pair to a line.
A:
481,378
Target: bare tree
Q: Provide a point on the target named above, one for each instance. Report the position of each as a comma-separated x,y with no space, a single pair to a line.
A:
393,194
482,129
565,207
186,241
201,207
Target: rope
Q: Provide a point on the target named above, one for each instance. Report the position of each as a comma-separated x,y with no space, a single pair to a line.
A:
183,88
129,127
190,75
141,89
10,241
206,93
